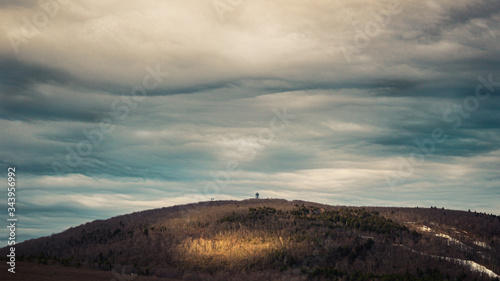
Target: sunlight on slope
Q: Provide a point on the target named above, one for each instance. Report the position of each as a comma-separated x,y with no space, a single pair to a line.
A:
230,250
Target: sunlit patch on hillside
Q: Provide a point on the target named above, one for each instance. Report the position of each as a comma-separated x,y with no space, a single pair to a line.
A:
230,250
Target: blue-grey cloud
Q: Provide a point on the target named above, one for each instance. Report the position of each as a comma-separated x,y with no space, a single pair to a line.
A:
356,118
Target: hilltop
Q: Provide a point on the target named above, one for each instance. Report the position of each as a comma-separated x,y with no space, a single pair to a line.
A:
274,239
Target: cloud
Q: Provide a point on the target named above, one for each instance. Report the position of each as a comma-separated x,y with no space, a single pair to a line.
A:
355,116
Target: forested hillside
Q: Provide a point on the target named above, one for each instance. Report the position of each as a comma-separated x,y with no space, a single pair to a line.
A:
281,240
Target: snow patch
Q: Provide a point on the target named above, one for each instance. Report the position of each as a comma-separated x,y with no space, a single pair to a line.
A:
451,240
482,244
425,228
472,265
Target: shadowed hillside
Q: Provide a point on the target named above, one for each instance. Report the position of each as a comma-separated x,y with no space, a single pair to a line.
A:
280,240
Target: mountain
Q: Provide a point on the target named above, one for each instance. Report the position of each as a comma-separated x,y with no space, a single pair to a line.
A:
271,239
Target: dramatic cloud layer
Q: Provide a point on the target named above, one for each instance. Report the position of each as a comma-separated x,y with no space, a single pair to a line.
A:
109,107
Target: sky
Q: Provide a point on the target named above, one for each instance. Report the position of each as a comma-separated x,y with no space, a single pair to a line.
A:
112,107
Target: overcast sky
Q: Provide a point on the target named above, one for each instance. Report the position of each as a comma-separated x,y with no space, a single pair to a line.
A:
110,107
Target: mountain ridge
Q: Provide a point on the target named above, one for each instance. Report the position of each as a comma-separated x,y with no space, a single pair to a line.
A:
277,237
